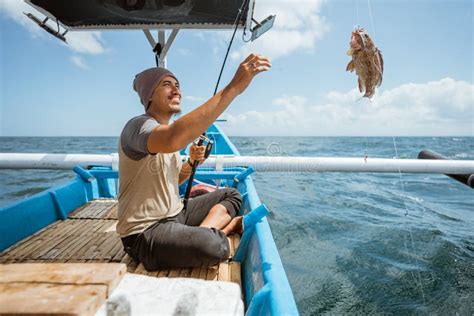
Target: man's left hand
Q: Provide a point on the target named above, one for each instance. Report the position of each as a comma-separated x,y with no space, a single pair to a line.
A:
196,153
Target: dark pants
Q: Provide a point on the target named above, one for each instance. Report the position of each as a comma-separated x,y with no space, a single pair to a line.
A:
178,242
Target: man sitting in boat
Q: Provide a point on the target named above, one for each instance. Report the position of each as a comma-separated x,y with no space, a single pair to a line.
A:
155,228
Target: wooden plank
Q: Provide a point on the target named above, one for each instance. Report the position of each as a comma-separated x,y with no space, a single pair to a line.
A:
81,241
53,246
153,273
231,247
53,240
44,298
22,244
93,246
66,247
195,272
185,273
29,244
78,210
131,264
235,273
236,241
212,273
119,254
62,248
111,226
163,273
223,274
174,273
140,269
104,251
100,209
109,274
74,249
113,212
203,273
116,252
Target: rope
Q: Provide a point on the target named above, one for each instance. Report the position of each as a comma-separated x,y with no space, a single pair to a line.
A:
419,283
236,23
357,12
195,165
417,280
371,19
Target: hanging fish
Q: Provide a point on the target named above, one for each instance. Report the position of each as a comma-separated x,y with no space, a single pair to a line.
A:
366,60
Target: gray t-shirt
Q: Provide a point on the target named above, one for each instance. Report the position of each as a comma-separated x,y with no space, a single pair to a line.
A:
149,188
134,137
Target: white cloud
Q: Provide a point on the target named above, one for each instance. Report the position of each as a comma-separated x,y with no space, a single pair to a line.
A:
86,42
80,42
443,107
190,102
298,26
14,9
191,98
184,51
79,62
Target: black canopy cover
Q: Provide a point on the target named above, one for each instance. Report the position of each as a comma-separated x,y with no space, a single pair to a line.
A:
133,14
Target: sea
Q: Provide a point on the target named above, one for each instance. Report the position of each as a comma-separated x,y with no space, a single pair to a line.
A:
351,243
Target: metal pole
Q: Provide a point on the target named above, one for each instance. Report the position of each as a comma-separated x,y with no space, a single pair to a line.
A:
260,164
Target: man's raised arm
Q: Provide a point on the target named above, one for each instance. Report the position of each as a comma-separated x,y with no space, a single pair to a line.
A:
173,137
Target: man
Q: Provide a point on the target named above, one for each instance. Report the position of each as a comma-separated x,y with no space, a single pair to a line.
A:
154,227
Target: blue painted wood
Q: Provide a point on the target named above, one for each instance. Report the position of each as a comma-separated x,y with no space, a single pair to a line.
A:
259,305
23,218
83,173
262,265
250,219
261,268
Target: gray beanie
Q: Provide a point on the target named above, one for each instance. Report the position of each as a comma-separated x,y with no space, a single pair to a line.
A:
146,82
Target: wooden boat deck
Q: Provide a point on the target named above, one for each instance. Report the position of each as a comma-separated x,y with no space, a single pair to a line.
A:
88,235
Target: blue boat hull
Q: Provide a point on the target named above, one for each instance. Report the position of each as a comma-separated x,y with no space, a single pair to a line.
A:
265,285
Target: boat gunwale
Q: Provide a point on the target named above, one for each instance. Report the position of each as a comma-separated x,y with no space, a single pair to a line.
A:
280,299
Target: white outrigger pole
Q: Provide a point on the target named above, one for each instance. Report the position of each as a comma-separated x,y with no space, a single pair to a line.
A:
259,163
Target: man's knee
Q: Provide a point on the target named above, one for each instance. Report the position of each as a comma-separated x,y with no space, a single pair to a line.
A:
232,201
216,250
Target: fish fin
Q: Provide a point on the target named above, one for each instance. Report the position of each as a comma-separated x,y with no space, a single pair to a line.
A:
379,55
380,58
369,94
350,66
360,85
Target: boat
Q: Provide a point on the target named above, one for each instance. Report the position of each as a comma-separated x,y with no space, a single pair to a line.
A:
74,223
52,226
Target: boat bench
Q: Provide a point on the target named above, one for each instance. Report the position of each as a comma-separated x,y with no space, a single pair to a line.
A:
88,235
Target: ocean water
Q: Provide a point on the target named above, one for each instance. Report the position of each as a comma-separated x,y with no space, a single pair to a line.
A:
351,243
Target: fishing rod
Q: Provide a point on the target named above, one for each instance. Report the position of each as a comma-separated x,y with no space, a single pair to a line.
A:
203,136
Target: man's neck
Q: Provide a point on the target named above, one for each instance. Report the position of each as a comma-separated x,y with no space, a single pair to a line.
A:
163,119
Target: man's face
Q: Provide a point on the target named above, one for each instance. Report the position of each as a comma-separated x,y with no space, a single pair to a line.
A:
167,96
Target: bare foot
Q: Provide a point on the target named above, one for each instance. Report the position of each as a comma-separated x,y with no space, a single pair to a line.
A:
235,226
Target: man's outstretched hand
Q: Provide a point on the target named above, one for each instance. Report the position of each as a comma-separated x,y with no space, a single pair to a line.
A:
248,69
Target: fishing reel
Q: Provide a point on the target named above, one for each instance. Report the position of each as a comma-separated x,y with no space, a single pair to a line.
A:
204,140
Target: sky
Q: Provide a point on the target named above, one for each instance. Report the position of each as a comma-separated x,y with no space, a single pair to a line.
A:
84,88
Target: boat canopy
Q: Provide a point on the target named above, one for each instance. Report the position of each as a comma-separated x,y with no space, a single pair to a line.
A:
144,14
147,15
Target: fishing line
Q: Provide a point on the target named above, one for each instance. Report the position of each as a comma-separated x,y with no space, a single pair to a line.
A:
236,23
357,12
196,163
371,19
409,226
419,281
